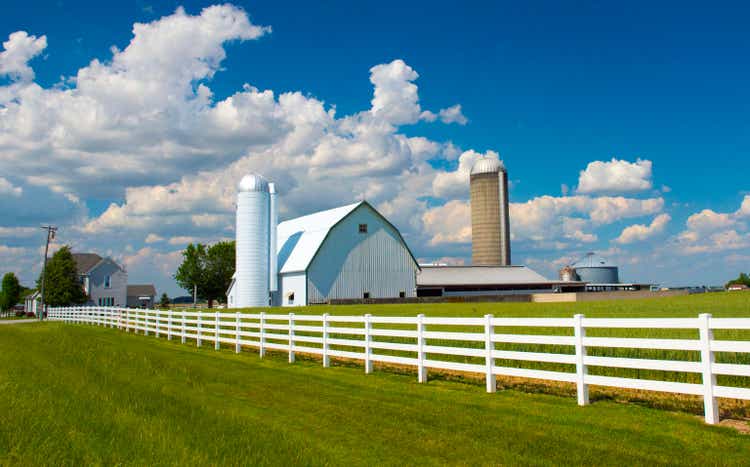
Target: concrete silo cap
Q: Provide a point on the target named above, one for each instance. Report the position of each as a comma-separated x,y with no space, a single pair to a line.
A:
253,182
485,165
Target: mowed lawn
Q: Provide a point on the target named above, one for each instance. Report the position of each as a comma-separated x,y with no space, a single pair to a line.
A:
76,394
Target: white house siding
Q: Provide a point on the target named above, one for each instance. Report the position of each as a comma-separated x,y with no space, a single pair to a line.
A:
118,285
293,282
350,263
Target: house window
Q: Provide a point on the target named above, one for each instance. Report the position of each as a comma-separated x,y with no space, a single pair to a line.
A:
107,282
366,295
402,294
362,228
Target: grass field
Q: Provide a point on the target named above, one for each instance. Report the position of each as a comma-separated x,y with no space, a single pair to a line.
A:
75,394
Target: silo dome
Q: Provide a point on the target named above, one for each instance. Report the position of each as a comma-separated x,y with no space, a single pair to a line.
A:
252,182
487,165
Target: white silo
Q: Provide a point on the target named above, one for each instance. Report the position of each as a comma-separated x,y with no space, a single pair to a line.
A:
272,263
253,242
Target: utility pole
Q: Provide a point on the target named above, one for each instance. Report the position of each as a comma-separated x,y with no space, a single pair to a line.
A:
50,236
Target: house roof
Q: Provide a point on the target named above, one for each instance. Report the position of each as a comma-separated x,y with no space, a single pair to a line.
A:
480,275
141,290
85,262
299,239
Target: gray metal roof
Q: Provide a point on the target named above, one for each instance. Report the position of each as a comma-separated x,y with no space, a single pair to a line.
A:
479,275
487,165
591,260
137,290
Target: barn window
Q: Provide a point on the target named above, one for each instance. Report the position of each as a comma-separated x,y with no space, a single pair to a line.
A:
107,282
366,295
290,298
402,294
362,228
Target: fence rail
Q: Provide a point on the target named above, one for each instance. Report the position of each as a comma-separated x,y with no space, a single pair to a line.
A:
355,337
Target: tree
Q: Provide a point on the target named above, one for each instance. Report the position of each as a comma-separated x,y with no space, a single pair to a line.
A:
743,278
209,269
10,293
164,303
62,287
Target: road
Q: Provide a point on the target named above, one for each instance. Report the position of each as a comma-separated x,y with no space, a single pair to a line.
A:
18,321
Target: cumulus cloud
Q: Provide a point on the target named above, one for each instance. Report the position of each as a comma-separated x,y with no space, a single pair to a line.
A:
712,232
453,115
544,220
7,188
17,51
455,184
641,232
615,176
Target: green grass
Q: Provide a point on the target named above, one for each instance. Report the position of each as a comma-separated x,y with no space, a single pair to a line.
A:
87,395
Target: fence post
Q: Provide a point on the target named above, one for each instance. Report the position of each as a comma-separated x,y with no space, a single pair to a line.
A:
127,319
262,324
217,345
200,330
158,323
291,337
326,358
238,344
581,370
183,337
368,341
710,404
489,347
421,369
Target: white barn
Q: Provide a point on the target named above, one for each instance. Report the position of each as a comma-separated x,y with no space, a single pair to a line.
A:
350,252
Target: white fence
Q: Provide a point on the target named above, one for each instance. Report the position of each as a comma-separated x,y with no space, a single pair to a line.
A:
317,334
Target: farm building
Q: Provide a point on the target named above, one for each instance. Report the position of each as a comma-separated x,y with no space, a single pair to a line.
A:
349,252
464,281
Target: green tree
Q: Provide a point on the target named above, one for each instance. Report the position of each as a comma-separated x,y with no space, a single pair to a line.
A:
61,287
164,302
743,278
210,269
10,293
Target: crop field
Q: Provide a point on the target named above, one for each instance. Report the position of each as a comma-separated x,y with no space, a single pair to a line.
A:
77,394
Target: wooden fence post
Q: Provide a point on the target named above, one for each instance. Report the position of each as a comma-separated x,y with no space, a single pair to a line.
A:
710,404
238,343
217,327
421,369
489,347
326,358
368,342
261,325
581,371
291,337
183,337
200,330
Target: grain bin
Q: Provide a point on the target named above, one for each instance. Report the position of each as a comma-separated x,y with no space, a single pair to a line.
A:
596,270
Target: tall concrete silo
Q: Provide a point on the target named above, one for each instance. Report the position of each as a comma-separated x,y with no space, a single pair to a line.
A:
490,219
252,278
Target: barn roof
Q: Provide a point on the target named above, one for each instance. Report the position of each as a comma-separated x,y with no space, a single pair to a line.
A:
479,275
299,239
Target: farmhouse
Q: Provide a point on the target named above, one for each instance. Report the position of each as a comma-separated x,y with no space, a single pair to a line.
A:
103,280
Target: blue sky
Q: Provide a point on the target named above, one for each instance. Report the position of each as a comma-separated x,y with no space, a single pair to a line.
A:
550,87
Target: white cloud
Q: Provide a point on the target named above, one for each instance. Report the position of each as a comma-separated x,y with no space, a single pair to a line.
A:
455,184
641,232
712,232
18,50
450,223
7,188
709,221
615,176
453,114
